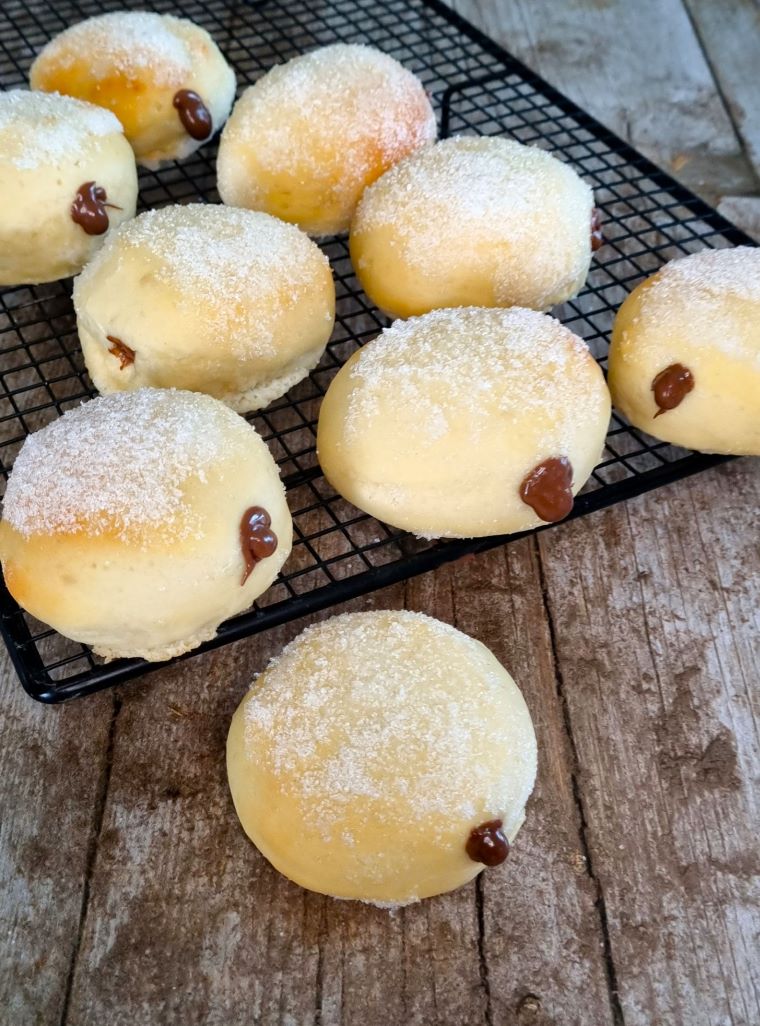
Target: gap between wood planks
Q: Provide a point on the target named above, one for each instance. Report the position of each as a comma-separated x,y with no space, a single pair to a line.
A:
92,852
599,904
728,106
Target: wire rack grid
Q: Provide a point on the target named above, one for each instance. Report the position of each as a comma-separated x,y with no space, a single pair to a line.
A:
477,88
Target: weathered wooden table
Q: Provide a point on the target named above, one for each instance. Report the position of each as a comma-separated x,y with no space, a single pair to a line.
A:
128,893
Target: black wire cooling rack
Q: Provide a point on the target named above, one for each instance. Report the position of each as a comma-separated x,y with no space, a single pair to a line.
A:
477,89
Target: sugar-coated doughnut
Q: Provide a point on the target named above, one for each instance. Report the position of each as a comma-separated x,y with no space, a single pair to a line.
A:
474,222
163,77
67,176
306,139
684,360
209,298
137,522
384,757
466,422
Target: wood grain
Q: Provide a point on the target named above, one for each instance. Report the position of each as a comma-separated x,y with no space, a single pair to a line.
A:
129,894
656,613
186,918
638,68
729,33
53,767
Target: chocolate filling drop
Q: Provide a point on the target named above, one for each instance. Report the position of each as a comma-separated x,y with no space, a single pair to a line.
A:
89,208
487,843
257,539
548,490
597,236
194,114
671,386
121,350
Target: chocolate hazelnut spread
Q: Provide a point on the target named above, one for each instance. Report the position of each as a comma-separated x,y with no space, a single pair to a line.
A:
547,489
257,539
194,114
487,843
121,350
89,208
671,386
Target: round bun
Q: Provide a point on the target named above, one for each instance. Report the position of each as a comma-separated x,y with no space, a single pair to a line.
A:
67,175
137,522
685,355
305,140
374,758
464,423
208,298
473,222
163,77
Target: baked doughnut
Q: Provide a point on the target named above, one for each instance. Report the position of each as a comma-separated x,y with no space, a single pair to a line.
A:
67,175
208,298
474,222
684,360
306,139
137,522
163,77
464,423
384,757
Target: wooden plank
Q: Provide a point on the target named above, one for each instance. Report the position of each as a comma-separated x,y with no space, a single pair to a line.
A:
187,923
53,765
744,211
656,607
639,69
542,934
730,36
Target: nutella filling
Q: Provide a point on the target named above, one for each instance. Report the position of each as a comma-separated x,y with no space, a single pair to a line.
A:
257,539
548,490
487,843
121,351
194,114
89,208
671,386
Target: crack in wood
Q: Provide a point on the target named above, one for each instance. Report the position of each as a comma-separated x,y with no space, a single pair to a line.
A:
92,850
319,981
599,904
485,978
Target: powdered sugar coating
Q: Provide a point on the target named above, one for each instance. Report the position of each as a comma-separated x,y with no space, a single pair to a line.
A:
715,272
451,363
709,289
216,258
118,464
128,42
37,129
512,214
383,715
330,122
361,91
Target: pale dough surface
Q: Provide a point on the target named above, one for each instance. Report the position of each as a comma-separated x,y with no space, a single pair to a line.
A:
209,298
133,63
366,752
433,425
305,140
121,522
702,311
473,221
49,147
